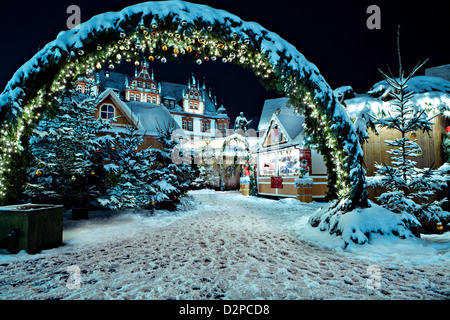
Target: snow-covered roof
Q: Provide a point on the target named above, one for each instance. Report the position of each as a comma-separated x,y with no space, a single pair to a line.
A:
146,116
270,107
151,116
290,125
417,84
431,93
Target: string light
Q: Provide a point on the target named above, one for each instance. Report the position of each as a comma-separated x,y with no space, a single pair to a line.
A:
156,43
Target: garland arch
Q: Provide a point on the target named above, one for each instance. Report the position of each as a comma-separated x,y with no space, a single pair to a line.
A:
168,29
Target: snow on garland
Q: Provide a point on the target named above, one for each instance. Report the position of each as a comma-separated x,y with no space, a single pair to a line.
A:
166,29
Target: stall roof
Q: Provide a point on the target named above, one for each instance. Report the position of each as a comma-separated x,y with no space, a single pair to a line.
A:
291,126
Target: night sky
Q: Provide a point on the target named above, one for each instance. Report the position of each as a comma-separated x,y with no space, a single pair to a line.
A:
331,34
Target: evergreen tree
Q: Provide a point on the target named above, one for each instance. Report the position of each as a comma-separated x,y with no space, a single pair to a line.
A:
405,183
130,173
67,155
171,180
207,174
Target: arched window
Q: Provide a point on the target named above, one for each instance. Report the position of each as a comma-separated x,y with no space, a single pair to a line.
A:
106,111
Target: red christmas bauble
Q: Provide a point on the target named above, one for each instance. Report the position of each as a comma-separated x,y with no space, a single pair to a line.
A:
98,151
447,129
160,179
174,198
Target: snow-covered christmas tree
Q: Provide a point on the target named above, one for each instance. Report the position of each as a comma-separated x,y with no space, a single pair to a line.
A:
409,188
171,180
130,173
67,155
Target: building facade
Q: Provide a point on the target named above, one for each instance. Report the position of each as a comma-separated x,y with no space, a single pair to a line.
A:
150,104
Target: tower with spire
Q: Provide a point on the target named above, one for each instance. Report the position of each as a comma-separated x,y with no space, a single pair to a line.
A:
143,87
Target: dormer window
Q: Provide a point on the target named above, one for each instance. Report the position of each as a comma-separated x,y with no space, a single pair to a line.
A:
139,84
106,111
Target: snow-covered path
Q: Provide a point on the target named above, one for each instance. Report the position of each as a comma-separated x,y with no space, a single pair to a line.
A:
226,247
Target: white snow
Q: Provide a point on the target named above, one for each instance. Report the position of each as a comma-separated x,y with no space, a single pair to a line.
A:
225,246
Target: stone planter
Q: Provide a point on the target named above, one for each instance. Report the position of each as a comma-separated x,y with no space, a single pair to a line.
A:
31,227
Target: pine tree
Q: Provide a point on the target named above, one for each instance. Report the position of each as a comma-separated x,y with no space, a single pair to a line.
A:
130,173
207,174
171,180
405,183
67,155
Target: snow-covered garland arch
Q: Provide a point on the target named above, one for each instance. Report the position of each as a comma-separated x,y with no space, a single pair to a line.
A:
161,30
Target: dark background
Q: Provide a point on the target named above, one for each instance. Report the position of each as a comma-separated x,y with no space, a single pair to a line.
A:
331,34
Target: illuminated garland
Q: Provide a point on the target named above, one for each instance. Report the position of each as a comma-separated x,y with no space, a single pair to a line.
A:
163,38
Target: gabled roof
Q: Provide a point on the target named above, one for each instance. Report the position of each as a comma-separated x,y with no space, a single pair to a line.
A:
271,106
291,127
146,116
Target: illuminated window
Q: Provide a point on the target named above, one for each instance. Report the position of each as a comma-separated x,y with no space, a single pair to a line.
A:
289,162
267,164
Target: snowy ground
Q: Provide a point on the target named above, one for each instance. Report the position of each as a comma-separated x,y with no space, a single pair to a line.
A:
224,246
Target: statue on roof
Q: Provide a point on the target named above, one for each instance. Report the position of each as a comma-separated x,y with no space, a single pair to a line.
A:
241,123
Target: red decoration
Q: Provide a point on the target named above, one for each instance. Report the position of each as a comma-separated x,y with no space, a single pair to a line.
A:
276,182
98,151
174,198
160,179
154,33
447,129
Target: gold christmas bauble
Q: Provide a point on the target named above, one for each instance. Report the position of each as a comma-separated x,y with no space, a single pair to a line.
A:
73,178
151,58
164,48
92,173
176,51
413,135
188,49
38,172
439,226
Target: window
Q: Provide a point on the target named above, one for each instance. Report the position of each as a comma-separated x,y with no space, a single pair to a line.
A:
224,127
137,97
221,127
195,106
191,105
106,111
131,96
207,126
184,125
267,164
190,125
139,84
172,104
289,162
80,88
203,127
166,103
147,85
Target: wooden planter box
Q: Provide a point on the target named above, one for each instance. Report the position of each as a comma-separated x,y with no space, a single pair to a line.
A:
31,227
304,189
